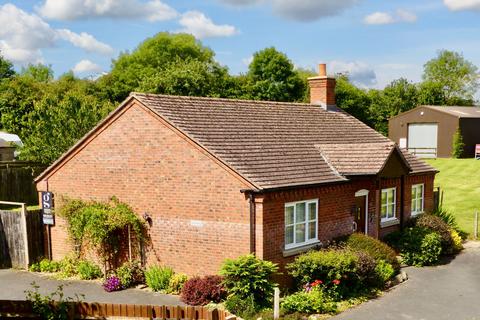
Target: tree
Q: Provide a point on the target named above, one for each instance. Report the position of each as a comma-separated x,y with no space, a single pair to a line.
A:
353,100
155,63
6,69
271,76
457,77
38,72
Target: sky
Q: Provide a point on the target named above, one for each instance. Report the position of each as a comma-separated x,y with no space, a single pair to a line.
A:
373,41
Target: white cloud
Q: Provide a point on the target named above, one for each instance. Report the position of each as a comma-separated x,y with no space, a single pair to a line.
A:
85,41
247,61
153,10
197,24
310,10
358,72
241,3
399,16
459,5
24,35
86,66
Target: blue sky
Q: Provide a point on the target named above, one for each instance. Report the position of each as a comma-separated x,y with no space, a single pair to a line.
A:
375,41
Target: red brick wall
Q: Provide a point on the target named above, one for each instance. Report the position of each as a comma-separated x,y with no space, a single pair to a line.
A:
322,90
199,215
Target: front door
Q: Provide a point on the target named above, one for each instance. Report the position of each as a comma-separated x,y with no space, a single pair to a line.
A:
360,213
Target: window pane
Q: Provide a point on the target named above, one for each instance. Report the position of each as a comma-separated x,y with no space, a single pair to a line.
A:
289,235
414,205
384,198
300,233
312,232
414,192
312,211
300,214
419,205
419,191
384,211
288,215
390,196
391,210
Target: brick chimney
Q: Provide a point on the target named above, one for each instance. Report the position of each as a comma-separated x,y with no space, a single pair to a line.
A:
322,88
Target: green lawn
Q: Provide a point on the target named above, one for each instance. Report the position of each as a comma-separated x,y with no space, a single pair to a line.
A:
460,181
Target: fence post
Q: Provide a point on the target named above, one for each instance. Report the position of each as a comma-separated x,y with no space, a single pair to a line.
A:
276,303
25,235
475,226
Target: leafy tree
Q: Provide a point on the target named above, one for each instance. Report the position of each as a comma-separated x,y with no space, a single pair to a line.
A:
67,111
272,77
6,69
304,74
38,72
457,77
165,55
353,100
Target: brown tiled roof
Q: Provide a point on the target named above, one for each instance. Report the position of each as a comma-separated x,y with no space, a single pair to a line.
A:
417,165
357,158
271,144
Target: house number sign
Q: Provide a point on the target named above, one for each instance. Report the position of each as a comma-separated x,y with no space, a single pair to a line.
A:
47,208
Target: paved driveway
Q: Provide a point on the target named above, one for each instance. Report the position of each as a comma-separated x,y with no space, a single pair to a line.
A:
13,283
450,291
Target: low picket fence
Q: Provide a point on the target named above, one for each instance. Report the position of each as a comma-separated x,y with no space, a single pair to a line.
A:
85,310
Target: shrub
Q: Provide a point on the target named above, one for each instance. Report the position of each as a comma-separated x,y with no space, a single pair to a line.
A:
365,269
112,284
46,265
447,217
200,291
88,270
68,265
457,240
330,266
315,301
35,267
420,246
384,271
243,308
437,225
375,248
248,275
176,283
130,274
158,277
457,144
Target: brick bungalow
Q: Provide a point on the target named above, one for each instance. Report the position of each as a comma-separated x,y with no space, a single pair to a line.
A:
221,178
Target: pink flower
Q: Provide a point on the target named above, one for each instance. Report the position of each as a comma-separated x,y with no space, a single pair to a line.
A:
336,282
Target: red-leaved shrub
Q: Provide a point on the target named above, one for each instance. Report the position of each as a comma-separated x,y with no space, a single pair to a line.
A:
200,291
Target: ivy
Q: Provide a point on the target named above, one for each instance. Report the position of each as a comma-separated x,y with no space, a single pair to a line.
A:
101,225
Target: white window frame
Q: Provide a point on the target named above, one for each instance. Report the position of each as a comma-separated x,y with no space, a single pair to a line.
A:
388,204
306,222
415,212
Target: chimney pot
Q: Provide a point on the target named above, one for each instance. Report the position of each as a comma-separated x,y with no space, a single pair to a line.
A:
322,70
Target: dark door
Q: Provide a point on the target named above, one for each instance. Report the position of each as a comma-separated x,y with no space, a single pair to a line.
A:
360,214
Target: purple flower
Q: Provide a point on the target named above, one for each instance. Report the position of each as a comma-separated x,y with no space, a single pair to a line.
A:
112,284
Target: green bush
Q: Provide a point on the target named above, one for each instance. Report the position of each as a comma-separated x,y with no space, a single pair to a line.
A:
457,144
34,267
241,307
384,271
158,277
365,269
375,248
248,275
437,225
447,217
337,268
46,265
130,274
88,270
68,265
457,240
315,301
176,283
420,246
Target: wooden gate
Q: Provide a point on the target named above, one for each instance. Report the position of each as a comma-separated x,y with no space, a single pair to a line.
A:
21,237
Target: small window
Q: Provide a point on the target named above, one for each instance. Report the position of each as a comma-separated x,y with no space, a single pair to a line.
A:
301,223
417,198
389,204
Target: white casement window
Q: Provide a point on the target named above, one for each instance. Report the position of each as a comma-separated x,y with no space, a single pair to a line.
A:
301,226
417,198
389,200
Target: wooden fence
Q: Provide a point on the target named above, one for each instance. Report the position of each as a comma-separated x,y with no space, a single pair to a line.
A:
21,237
16,181
84,310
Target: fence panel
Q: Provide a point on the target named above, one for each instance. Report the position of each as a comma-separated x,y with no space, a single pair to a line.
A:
36,238
12,254
16,181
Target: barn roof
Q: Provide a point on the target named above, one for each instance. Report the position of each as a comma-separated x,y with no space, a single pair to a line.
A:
460,112
274,144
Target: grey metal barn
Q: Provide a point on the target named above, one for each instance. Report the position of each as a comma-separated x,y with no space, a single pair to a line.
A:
428,131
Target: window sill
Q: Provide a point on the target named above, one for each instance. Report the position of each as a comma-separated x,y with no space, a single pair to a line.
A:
297,250
415,214
388,223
